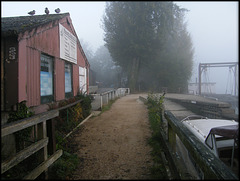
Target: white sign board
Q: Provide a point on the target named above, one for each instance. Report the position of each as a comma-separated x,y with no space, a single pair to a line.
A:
68,45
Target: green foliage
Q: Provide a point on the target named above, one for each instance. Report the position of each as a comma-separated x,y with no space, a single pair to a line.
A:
21,137
149,40
70,117
154,104
67,120
86,104
21,113
19,171
64,166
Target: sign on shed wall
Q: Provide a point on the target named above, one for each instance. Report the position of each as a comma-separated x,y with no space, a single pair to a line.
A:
68,45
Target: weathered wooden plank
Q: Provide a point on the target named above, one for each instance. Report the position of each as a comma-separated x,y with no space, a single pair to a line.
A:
212,167
27,122
43,166
78,126
69,105
6,165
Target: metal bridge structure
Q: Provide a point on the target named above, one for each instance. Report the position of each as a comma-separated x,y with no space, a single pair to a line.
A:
233,66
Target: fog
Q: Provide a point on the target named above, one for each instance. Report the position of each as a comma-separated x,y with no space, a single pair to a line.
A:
214,30
86,16
213,27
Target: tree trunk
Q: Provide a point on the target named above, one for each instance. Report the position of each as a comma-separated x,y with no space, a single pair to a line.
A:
133,75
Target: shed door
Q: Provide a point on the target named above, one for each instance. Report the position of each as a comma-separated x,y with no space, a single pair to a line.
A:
10,73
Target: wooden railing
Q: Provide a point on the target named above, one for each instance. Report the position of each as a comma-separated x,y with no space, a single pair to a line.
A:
39,123
211,166
173,131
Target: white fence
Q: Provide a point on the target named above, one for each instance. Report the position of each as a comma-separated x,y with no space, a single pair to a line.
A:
103,98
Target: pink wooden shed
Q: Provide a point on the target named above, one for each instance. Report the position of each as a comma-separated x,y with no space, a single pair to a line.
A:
42,61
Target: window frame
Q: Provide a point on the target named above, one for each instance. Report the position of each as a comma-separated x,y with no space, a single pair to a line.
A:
47,98
68,94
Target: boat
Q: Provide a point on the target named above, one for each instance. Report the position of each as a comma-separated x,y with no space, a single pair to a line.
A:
220,136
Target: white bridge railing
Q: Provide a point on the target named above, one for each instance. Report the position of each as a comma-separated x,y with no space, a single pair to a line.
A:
102,99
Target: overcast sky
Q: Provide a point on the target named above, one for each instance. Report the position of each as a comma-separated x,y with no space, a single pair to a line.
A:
213,27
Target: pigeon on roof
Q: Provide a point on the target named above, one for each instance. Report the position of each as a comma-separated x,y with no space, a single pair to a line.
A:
32,12
57,10
46,11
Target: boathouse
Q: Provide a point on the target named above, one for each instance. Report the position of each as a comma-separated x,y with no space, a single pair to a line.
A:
42,61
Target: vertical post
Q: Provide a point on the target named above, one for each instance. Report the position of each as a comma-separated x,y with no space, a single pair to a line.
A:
51,137
235,80
107,98
101,101
67,114
45,136
45,153
42,133
171,138
35,132
199,78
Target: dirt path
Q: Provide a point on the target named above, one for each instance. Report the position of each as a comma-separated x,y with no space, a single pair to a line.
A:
114,145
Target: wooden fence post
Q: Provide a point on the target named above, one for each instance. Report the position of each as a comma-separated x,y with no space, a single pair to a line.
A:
42,133
172,137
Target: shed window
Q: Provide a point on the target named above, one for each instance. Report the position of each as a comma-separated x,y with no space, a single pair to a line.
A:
68,80
46,79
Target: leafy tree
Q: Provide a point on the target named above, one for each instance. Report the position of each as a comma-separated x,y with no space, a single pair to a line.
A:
106,71
87,49
148,39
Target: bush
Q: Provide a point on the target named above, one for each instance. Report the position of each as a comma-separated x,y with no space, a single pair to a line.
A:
64,166
21,113
67,120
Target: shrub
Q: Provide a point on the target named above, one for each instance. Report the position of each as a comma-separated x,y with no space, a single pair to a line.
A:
21,113
155,104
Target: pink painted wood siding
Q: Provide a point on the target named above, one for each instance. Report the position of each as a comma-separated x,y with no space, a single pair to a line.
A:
22,75
59,78
33,77
75,80
45,39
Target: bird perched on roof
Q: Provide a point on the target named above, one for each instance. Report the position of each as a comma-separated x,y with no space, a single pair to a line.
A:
32,12
46,11
57,10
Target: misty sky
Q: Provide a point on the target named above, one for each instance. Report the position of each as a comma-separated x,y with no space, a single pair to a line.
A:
213,27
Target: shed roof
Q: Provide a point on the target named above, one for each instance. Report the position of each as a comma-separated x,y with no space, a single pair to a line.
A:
16,25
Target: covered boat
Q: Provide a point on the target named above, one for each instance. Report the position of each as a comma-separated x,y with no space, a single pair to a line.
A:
220,136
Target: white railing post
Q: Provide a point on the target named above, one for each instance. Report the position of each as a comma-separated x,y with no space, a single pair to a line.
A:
101,101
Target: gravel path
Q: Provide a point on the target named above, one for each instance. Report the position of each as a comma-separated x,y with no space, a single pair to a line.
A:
114,145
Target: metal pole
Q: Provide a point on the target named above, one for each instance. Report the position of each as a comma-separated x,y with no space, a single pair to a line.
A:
235,82
199,78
